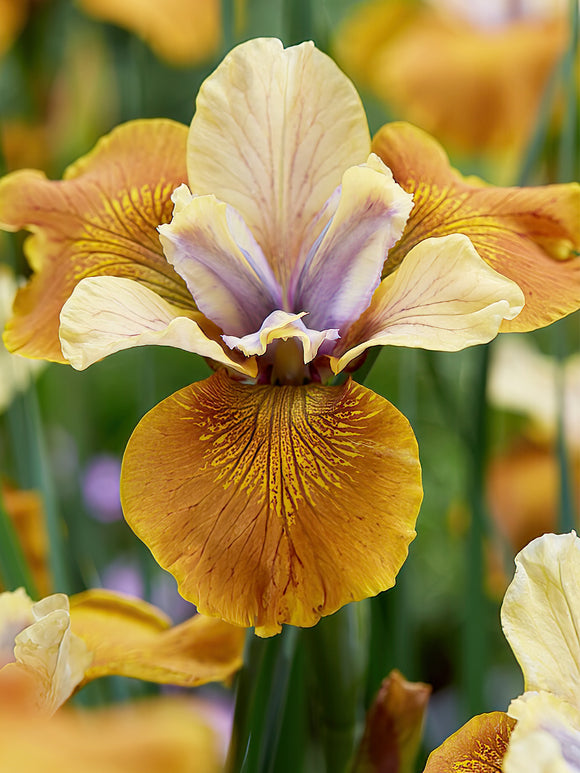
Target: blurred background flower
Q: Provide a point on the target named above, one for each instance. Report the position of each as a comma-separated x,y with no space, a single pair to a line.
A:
524,476
470,72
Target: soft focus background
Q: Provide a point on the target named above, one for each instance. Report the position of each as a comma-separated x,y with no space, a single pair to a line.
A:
498,426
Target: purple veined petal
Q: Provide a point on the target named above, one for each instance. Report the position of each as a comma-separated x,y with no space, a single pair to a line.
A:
343,268
210,246
273,131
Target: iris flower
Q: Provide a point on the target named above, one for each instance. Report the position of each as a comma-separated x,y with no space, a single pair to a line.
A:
523,480
260,240
541,620
57,644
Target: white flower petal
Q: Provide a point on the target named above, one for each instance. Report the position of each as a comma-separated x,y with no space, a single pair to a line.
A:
107,314
540,615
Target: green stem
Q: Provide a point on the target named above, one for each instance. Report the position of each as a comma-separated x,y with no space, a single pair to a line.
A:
260,699
228,24
474,639
338,647
33,471
566,513
567,157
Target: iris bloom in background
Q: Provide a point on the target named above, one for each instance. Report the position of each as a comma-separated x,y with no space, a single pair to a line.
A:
259,240
541,620
183,32
26,512
523,482
471,72
55,645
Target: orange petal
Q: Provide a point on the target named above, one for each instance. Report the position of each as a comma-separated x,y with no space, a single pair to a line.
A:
460,92
523,488
13,15
154,736
183,32
132,638
478,747
527,234
101,219
394,726
272,504
26,511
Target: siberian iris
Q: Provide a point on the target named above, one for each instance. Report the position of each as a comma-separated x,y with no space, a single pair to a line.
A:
260,240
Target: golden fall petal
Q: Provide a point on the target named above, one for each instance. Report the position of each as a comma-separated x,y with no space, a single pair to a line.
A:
100,219
530,235
477,747
129,637
274,505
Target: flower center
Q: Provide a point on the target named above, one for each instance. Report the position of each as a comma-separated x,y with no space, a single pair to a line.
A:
288,363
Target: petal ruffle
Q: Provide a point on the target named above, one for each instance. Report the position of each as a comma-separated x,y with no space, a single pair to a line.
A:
282,325
100,219
443,296
274,505
342,272
129,637
528,234
540,615
477,747
273,131
106,314
49,651
210,246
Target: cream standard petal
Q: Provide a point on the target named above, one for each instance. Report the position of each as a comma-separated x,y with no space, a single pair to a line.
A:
540,615
273,131
108,314
443,296
225,270
344,269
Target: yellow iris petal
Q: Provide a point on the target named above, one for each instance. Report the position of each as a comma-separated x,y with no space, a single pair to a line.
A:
274,505
129,637
529,235
101,219
154,736
480,745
